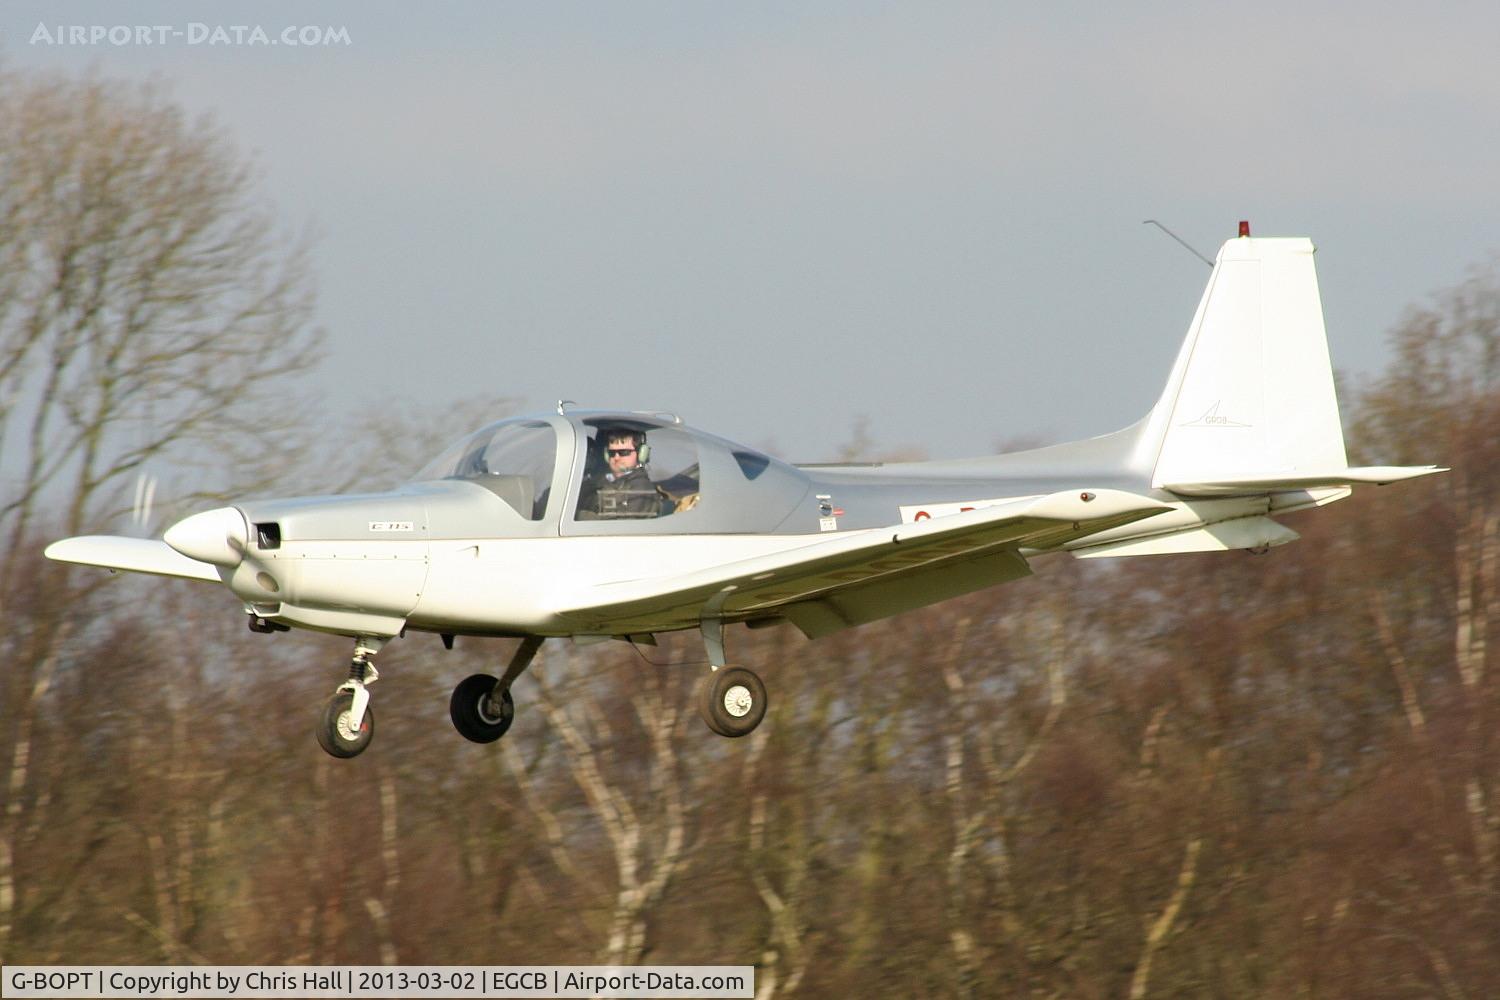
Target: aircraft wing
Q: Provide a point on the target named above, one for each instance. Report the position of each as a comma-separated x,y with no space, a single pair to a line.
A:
882,570
138,555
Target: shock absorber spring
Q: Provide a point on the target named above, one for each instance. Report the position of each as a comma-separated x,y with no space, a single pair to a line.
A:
357,669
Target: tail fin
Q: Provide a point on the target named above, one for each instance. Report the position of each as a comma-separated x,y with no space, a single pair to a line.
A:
1251,395
1248,412
1249,409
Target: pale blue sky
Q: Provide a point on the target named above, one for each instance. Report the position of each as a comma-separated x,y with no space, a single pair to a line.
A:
774,218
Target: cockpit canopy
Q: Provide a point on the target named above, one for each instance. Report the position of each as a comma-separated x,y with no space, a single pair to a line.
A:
514,459
596,472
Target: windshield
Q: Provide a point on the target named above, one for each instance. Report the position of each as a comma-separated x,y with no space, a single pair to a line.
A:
512,459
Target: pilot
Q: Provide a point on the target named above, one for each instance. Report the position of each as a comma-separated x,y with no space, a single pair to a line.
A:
623,489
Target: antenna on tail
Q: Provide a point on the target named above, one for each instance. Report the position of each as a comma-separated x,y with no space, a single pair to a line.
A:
1244,231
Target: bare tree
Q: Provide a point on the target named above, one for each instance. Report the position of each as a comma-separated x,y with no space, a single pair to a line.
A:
147,305
981,798
146,302
646,827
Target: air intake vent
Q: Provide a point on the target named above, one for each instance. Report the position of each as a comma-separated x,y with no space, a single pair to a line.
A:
268,535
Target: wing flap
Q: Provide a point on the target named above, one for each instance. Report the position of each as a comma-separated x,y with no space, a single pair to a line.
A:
900,592
1221,536
137,555
853,560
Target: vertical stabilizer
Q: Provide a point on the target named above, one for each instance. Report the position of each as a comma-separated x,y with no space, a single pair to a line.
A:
1251,394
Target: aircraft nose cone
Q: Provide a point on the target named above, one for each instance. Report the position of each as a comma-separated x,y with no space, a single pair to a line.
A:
215,536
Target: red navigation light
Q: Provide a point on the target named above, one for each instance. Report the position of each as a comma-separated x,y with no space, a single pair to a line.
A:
1244,227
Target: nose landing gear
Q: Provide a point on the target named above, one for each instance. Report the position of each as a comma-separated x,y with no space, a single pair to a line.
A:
347,724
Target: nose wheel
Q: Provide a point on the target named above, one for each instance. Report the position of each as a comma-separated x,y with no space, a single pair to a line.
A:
338,733
347,724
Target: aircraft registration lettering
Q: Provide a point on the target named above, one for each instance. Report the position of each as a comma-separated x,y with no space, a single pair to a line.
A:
391,526
925,512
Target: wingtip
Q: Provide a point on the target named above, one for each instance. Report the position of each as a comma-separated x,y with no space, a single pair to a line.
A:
1403,473
58,550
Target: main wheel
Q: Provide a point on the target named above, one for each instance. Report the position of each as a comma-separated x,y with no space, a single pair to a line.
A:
732,701
335,735
474,715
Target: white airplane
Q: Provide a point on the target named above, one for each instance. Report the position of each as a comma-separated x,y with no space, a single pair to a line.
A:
592,524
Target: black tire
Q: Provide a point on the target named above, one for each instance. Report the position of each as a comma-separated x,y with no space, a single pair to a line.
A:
471,714
732,701
333,733
705,695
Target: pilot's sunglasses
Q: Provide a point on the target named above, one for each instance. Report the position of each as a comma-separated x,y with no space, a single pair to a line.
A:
620,452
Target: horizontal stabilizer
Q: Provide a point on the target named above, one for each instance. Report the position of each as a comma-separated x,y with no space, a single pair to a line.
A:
1284,482
138,555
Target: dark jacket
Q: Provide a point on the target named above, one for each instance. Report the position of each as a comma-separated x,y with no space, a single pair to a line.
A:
628,495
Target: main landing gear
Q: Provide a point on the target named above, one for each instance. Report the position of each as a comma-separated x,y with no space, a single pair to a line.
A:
481,706
731,700
347,724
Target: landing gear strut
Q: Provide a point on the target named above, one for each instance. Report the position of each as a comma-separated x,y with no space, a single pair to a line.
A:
347,724
731,700
481,707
